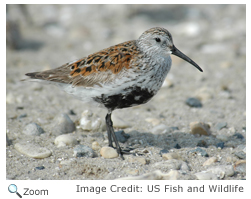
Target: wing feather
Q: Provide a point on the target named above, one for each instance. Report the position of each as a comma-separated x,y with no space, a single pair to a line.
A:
96,69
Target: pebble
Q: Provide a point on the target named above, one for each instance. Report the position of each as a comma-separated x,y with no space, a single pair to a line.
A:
177,146
83,151
210,161
220,145
8,141
204,93
33,129
155,175
153,121
161,129
167,83
96,146
108,152
238,136
220,125
39,168
193,102
118,122
199,128
222,171
169,156
65,140
133,172
63,125
204,175
91,122
199,151
32,150
240,166
122,136
202,143
163,151
240,154
22,116
10,98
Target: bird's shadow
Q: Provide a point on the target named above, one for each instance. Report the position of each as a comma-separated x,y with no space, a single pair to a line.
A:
175,140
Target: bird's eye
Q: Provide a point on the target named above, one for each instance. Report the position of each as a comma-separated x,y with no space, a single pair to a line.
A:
157,39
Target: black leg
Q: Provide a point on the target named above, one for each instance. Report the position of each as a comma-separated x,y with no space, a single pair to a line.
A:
107,120
110,133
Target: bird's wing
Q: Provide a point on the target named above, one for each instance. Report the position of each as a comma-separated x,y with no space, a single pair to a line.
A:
96,69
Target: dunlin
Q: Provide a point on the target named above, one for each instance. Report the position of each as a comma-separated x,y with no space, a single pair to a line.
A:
121,76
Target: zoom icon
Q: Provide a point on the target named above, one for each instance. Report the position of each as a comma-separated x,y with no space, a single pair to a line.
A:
13,189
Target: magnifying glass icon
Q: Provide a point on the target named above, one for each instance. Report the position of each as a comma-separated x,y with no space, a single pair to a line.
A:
13,189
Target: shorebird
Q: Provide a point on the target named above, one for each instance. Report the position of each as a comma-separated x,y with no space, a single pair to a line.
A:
121,76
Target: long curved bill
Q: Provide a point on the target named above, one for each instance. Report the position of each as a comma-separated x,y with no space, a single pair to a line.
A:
175,51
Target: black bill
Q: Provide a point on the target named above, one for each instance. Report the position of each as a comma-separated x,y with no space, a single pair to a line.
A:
175,51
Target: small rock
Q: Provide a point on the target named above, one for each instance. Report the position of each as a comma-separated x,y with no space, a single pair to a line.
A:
244,149
222,171
204,93
231,159
177,146
240,166
91,122
10,98
244,128
8,141
32,150
210,161
108,152
204,175
39,168
238,136
167,83
240,154
63,125
174,128
163,151
169,156
220,125
133,172
83,151
96,146
71,112
33,129
161,129
22,116
200,128
184,166
193,102
220,145
222,137
199,151
155,175
68,162
202,143
122,136
118,122
153,121
65,140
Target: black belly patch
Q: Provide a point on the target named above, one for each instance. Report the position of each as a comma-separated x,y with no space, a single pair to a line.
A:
128,97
